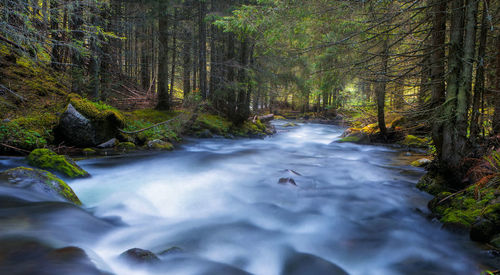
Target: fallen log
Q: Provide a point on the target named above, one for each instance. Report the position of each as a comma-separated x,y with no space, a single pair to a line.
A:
266,118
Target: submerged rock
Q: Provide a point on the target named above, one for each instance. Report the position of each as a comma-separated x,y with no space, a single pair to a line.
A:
30,256
287,181
139,256
171,251
40,181
47,159
303,263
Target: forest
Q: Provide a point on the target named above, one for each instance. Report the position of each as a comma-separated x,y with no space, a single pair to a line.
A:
249,137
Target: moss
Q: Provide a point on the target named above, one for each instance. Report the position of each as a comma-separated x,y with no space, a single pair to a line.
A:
160,145
216,124
414,141
96,111
279,117
432,184
353,139
89,151
47,159
37,176
126,145
290,124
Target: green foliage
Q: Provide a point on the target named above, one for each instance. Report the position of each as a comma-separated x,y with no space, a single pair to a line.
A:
47,159
13,134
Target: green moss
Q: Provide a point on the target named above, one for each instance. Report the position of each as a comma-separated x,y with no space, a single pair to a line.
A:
290,124
279,117
353,139
160,145
216,124
89,151
413,141
432,184
126,145
47,159
96,111
37,176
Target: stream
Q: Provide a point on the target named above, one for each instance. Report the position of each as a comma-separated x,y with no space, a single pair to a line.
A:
219,202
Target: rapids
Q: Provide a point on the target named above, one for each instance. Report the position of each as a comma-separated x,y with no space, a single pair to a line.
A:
219,201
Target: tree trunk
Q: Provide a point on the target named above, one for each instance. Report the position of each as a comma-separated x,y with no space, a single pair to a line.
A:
437,67
380,88
496,115
202,44
479,85
449,157
163,95
76,57
174,55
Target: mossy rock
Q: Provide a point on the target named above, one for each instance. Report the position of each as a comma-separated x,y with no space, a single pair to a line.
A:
89,151
47,159
415,142
40,181
290,124
160,145
356,137
421,162
432,184
279,117
126,145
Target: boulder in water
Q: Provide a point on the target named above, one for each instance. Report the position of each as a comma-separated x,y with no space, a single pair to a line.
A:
303,263
139,256
47,159
40,181
30,256
285,181
158,144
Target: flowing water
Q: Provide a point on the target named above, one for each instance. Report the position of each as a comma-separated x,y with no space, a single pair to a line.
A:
220,202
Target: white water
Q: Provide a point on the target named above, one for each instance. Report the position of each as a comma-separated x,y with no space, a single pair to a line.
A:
219,201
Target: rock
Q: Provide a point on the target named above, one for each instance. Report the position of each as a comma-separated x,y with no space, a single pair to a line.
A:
83,124
126,145
139,256
76,129
108,144
302,263
290,124
205,134
495,241
421,162
287,181
30,256
160,145
356,137
40,181
482,231
432,183
171,251
89,151
47,159
6,120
